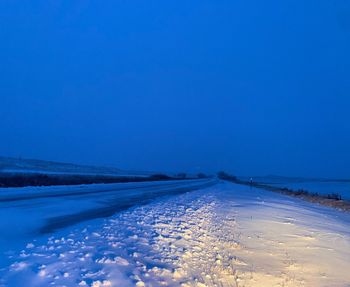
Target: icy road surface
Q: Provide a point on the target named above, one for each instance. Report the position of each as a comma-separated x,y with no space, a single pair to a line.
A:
28,213
223,235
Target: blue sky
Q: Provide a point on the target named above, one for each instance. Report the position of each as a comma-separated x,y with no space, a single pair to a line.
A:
252,87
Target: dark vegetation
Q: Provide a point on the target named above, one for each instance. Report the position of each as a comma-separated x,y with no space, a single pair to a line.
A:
225,176
300,192
21,180
332,199
181,175
202,175
303,192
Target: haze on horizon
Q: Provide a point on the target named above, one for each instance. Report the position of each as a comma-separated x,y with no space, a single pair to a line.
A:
251,87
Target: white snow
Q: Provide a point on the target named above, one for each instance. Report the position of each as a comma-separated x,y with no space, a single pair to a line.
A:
322,187
13,193
316,185
28,166
24,211
224,235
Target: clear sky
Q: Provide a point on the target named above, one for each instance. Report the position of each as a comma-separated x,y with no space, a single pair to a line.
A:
248,86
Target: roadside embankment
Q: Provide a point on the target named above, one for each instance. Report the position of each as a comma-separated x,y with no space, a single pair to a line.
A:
331,200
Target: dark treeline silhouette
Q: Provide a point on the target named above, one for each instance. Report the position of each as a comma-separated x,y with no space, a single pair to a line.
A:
202,175
21,180
181,175
225,176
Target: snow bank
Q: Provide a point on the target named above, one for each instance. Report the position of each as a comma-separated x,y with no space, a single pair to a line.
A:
227,235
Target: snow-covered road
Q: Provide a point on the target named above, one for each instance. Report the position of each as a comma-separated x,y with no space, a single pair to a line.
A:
223,235
28,213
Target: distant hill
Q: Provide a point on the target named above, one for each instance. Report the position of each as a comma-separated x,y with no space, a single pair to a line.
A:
16,165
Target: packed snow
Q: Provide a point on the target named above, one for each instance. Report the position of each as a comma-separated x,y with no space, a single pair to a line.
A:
28,212
222,235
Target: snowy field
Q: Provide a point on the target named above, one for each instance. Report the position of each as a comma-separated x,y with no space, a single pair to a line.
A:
220,235
321,187
10,165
